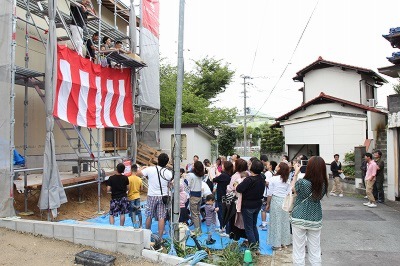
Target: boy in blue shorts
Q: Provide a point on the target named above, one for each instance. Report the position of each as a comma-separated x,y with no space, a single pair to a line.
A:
118,185
135,186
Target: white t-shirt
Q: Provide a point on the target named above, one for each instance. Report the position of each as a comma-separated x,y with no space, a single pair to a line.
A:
277,187
154,185
268,176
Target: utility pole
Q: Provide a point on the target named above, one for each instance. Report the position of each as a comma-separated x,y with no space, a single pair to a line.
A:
244,77
178,120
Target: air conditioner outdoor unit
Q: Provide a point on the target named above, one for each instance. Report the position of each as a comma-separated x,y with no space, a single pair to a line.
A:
371,102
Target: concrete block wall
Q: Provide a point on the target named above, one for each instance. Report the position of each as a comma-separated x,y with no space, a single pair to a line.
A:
125,240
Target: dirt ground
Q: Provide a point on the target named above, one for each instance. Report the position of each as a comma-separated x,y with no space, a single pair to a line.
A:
77,208
28,249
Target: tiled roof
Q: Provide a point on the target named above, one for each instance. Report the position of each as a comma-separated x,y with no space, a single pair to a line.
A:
324,98
321,63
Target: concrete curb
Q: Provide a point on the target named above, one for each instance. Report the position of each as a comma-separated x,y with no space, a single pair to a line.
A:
125,240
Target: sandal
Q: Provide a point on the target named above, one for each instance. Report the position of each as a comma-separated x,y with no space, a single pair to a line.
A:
277,248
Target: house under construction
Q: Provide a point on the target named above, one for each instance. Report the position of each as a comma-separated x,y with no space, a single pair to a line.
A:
25,29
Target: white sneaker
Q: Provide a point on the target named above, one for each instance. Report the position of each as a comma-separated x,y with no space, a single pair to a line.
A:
367,203
332,194
223,235
366,197
341,195
264,227
372,205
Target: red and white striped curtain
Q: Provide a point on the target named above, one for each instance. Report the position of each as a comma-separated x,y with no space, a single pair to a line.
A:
89,95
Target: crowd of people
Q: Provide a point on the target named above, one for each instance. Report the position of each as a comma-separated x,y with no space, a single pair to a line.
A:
228,196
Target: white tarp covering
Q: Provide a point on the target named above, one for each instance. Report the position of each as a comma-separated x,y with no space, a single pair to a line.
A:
149,94
6,131
52,194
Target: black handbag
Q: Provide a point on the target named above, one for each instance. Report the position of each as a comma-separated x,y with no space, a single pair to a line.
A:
165,199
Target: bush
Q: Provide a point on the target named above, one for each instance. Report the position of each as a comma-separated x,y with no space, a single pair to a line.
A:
349,168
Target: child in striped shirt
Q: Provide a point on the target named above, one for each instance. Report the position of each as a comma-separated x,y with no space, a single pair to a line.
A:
211,217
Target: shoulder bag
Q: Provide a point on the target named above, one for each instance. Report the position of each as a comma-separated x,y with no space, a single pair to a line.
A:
165,199
288,201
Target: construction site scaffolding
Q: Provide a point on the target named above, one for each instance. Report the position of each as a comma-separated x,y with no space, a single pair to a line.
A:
31,78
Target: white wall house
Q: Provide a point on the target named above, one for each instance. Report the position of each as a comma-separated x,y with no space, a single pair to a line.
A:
355,84
335,115
196,140
393,138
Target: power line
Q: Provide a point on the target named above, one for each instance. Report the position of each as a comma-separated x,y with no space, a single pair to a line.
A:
289,62
258,42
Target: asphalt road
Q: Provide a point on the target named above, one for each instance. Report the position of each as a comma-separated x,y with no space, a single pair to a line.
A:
354,234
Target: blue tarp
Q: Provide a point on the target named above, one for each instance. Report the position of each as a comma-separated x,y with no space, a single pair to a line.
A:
221,242
18,158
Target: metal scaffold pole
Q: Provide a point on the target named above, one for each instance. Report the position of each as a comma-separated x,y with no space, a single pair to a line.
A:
132,48
12,106
98,174
26,103
178,118
99,41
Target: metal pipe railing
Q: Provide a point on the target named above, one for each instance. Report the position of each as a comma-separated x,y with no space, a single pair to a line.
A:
81,184
27,169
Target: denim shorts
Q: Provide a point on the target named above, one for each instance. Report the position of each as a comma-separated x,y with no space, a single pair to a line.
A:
134,207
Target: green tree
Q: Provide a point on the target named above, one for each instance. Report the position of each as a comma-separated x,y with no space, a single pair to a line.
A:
253,134
256,135
210,78
226,141
195,109
272,140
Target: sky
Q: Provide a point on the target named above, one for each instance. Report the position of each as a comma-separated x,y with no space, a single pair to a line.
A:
258,37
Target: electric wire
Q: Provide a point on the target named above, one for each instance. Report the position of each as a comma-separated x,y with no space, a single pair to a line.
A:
289,62
258,42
